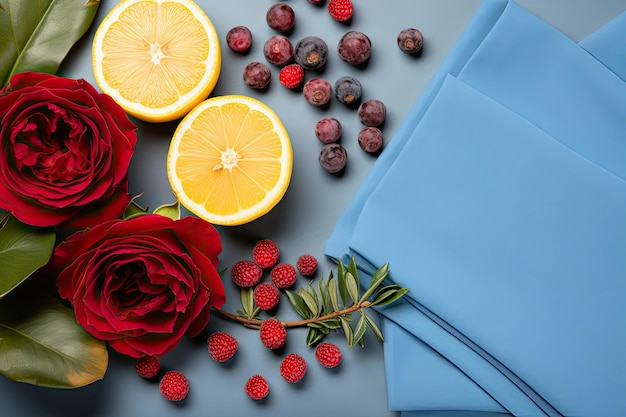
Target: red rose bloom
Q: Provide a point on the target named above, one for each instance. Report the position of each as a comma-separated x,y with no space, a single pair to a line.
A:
65,151
142,283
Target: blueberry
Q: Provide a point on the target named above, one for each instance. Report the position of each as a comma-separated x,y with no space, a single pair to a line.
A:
317,91
348,90
311,52
333,157
370,139
410,40
372,112
278,50
257,75
354,47
239,39
280,17
328,130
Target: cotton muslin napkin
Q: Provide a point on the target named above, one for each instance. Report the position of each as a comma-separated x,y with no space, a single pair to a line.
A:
501,203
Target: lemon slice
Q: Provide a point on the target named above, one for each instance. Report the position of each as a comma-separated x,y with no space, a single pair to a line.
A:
230,160
156,58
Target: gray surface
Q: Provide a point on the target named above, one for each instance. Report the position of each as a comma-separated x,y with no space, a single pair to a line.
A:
303,219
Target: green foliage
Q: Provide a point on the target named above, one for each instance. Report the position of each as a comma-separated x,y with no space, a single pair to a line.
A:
37,35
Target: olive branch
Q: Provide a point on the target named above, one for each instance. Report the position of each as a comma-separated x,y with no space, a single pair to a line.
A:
329,305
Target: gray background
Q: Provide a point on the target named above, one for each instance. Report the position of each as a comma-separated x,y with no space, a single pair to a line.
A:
300,223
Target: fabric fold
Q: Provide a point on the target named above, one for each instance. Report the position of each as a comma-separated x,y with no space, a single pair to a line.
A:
559,234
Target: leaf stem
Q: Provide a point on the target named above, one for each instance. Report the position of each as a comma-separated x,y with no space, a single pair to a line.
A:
256,323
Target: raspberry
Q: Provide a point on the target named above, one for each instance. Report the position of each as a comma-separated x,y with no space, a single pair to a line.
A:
174,386
328,130
291,76
272,333
265,253
257,75
354,47
311,52
293,367
283,275
328,354
340,10
222,346
333,157
278,50
370,139
372,112
148,367
348,90
280,17
266,295
246,273
317,91
410,40
239,39
257,387
306,264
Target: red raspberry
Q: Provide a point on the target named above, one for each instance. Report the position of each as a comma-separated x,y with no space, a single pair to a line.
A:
257,387
293,367
272,333
266,295
306,264
174,386
283,275
148,367
340,10
291,76
328,354
222,346
246,273
265,253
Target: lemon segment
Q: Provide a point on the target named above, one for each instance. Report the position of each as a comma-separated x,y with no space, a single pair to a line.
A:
156,58
230,160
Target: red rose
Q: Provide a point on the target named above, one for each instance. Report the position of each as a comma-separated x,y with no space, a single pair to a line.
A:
142,283
65,151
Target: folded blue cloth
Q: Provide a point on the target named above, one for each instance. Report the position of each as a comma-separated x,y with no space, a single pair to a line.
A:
509,232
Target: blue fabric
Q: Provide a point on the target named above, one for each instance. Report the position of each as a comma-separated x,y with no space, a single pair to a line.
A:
511,231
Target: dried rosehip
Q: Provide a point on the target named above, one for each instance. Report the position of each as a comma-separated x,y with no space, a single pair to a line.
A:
354,47
333,157
257,75
410,40
280,17
239,39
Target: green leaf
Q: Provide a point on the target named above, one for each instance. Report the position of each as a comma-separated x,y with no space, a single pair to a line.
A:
42,344
133,209
36,36
372,325
332,292
352,287
298,304
341,282
23,250
311,302
354,271
322,287
247,301
313,336
377,279
359,329
389,294
347,330
169,210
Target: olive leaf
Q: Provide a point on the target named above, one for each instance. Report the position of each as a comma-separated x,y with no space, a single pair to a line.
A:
42,344
36,36
23,250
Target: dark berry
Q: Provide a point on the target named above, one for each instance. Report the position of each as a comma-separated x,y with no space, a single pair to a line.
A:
348,90
239,39
328,130
333,157
311,52
354,47
316,1
278,50
410,40
370,139
372,112
257,75
280,17
317,91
